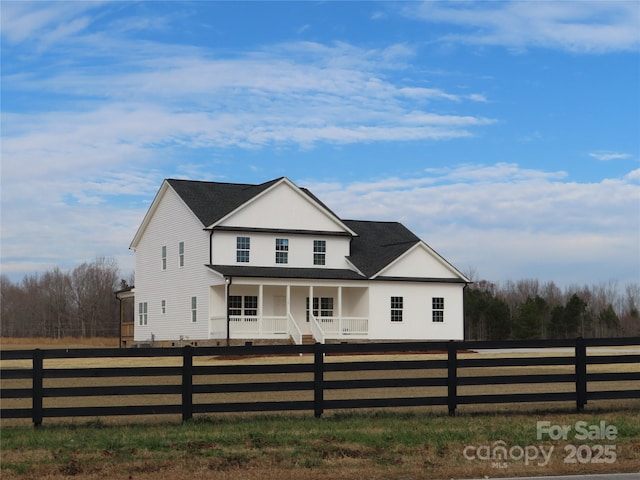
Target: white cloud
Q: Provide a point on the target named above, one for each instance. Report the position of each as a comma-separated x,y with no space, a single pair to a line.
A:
575,26
507,221
606,156
44,23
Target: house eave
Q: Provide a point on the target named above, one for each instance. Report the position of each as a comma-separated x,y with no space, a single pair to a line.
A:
316,233
422,280
286,272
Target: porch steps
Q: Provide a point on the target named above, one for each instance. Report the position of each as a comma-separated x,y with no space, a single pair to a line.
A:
308,340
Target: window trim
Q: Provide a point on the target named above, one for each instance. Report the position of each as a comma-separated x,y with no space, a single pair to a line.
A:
282,251
243,249
319,252
323,307
181,254
243,306
397,309
143,313
437,309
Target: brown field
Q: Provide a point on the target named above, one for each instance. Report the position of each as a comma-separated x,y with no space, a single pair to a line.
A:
12,343
308,395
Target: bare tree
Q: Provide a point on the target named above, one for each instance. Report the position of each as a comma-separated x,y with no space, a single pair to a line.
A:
93,286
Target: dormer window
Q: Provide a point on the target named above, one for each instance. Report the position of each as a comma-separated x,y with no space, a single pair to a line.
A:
243,245
282,250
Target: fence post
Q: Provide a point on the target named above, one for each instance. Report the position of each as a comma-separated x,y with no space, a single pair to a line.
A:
187,383
318,380
37,389
581,374
452,377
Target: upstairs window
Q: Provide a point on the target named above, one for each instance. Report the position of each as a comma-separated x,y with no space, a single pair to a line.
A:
142,313
243,245
319,252
437,309
282,250
397,306
163,307
181,254
164,257
194,309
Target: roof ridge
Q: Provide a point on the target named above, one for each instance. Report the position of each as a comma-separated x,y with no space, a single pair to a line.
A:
187,180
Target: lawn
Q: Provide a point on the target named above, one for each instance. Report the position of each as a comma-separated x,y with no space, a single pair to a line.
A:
347,445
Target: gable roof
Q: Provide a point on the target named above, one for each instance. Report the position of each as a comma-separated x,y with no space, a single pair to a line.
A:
378,244
374,245
212,201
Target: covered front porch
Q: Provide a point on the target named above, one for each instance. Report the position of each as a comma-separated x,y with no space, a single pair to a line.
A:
245,308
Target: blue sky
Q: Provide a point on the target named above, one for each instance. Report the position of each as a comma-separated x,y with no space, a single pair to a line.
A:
505,134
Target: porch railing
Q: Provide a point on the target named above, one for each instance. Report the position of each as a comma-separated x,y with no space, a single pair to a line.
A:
255,326
336,327
294,331
316,330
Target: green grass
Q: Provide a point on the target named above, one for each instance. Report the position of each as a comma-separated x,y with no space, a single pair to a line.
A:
385,441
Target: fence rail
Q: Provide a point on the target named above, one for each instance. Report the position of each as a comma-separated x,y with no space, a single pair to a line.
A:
312,379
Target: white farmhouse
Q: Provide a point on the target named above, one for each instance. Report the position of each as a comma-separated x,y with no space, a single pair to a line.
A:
218,262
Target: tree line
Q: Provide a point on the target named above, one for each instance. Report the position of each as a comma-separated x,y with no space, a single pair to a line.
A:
528,309
82,303
79,303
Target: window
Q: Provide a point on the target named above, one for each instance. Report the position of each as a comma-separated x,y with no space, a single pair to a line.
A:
319,252
194,309
322,307
163,307
142,313
181,254
235,305
397,304
326,307
250,306
243,245
282,250
246,306
437,309
164,257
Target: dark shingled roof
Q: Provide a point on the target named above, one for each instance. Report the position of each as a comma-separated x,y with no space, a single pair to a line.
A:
378,244
211,201
286,272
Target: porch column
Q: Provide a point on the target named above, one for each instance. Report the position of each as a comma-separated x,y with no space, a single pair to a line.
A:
260,303
311,302
288,301
340,310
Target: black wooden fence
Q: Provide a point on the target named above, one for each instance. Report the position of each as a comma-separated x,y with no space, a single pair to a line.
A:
313,372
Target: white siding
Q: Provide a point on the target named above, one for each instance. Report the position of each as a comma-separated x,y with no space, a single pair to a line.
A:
417,321
172,223
263,248
283,207
419,262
